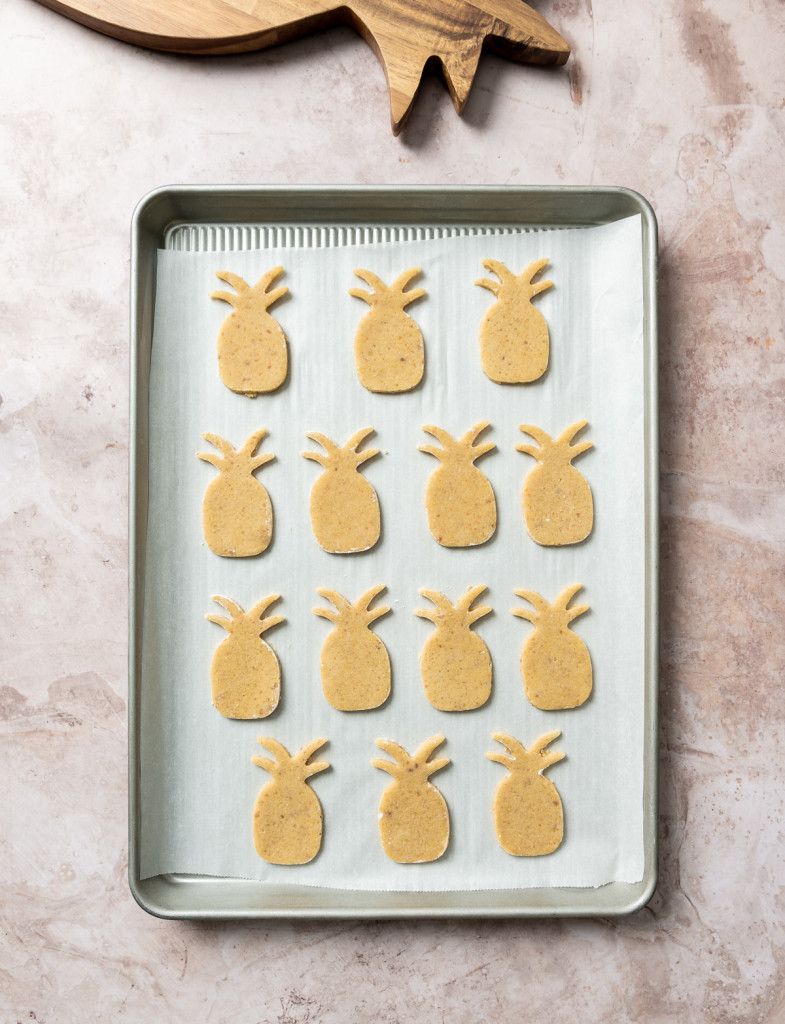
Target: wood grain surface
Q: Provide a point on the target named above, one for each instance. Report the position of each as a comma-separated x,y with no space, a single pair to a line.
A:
405,34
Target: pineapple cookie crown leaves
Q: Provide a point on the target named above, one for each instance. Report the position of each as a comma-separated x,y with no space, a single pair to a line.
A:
357,611
334,453
550,448
252,621
413,766
509,284
462,449
257,295
390,293
556,613
518,758
461,612
238,460
294,765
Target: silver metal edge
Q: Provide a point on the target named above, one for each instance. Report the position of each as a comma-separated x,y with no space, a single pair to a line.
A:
135,548
133,786
641,892
134,621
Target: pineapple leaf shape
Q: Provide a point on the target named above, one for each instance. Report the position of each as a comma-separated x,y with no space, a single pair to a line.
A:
287,815
455,663
344,507
237,514
557,501
555,662
245,674
252,349
459,501
514,340
389,353
354,664
407,37
527,809
414,821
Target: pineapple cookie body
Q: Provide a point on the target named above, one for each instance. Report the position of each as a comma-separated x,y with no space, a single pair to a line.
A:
527,809
558,507
252,347
455,664
414,821
459,500
245,675
344,507
389,353
237,514
555,662
514,339
354,664
287,815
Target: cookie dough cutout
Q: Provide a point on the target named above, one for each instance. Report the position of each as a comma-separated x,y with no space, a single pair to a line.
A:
287,815
414,821
527,809
252,348
459,501
245,675
455,664
514,340
555,662
237,515
354,664
389,353
344,507
557,502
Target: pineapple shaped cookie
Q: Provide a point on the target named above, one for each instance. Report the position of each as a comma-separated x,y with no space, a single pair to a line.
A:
344,507
557,502
388,346
252,352
514,341
455,664
459,501
287,815
245,674
555,662
354,664
527,809
414,822
237,514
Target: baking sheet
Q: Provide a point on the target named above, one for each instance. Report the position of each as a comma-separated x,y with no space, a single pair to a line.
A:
197,784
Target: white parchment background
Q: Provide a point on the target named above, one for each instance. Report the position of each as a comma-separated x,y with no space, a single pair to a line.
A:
198,784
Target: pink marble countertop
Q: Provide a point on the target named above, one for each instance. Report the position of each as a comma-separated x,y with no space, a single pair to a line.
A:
682,101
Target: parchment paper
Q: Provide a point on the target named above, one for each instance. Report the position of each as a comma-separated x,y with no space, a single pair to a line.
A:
198,784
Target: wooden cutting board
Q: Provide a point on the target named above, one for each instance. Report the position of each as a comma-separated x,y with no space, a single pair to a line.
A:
404,34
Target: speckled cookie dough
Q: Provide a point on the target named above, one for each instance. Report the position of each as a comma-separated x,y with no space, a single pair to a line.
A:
557,502
287,815
354,664
455,663
527,809
389,353
237,514
252,347
244,674
555,662
344,508
414,822
459,501
514,339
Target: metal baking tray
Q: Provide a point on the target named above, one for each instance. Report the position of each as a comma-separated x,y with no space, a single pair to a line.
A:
168,217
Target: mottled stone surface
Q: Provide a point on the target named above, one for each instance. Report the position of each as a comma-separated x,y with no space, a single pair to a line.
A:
682,100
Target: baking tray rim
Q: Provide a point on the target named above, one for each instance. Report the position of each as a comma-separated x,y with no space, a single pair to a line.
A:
175,896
